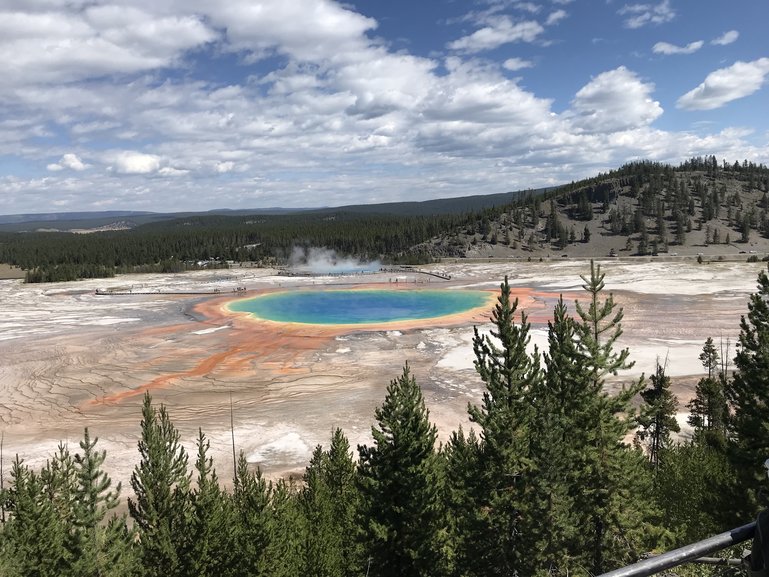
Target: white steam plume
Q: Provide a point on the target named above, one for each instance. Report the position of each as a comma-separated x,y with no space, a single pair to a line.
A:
326,261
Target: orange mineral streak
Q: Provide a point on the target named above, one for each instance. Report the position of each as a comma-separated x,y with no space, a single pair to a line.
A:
246,344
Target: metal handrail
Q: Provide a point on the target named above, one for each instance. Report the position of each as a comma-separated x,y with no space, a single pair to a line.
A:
685,554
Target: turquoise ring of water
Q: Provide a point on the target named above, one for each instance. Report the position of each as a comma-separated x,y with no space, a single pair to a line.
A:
359,306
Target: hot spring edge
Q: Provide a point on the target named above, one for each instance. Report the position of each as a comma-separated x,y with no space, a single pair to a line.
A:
359,306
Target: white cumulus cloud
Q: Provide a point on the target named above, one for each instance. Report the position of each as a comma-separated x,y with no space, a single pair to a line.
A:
224,166
164,95
667,48
514,64
528,7
170,171
69,160
129,162
305,29
614,101
726,38
556,17
639,15
57,45
503,31
726,84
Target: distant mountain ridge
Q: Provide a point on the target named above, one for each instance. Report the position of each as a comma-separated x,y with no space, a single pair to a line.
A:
66,221
68,216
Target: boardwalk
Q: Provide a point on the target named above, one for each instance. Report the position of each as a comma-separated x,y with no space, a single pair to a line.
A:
112,293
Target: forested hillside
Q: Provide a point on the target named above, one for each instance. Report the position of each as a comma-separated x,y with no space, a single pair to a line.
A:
545,483
641,209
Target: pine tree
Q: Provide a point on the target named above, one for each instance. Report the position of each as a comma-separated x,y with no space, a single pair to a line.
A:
329,502
100,548
505,418
161,484
401,507
254,519
462,464
209,539
658,416
689,487
611,477
323,543
554,399
35,539
748,393
285,554
59,481
709,357
708,409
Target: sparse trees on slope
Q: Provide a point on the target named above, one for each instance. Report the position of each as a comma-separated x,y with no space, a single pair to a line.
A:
401,506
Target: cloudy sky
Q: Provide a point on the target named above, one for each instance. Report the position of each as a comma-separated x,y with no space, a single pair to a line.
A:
197,104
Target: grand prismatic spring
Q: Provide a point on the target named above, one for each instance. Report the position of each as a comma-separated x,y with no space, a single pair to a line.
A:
360,306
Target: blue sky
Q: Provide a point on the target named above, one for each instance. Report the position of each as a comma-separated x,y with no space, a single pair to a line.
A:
171,105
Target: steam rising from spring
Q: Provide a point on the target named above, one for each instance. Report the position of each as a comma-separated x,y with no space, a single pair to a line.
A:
326,261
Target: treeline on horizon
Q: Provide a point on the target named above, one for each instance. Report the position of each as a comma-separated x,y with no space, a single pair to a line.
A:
544,483
181,245
192,242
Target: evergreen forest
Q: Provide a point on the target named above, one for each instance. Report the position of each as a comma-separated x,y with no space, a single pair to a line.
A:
640,209
554,476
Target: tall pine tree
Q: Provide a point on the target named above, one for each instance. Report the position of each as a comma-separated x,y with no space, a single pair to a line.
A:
505,417
658,416
748,393
464,488
329,503
210,537
35,538
611,478
709,411
101,548
161,484
401,498
254,519
555,400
